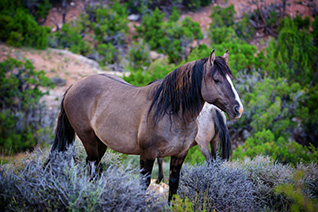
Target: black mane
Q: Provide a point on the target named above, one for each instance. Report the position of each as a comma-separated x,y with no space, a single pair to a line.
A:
180,91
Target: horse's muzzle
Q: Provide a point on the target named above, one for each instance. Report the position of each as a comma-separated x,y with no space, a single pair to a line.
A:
238,110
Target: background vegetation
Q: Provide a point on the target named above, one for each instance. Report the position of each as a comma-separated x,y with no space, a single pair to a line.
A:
277,84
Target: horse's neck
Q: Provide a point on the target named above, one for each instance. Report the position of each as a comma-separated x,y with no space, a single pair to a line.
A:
192,116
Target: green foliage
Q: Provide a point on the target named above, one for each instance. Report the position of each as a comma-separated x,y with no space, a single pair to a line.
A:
293,53
171,38
222,16
224,29
181,205
192,4
111,24
19,28
264,143
150,28
157,70
38,8
20,115
243,28
70,38
108,54
294,191
315,32
175,15
223,34
138,55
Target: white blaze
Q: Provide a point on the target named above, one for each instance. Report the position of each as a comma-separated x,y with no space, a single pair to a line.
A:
237,98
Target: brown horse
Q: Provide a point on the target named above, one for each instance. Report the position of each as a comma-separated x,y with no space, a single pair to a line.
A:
157,120
211,130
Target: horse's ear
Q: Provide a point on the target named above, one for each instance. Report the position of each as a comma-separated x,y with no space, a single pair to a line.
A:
212,57
226,56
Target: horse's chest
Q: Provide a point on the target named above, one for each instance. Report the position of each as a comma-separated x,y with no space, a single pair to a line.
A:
176,141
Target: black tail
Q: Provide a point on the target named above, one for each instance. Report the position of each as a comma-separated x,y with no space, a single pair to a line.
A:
224,135
64,133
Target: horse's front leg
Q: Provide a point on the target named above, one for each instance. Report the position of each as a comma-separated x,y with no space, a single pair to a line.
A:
175,167
146,169
160,174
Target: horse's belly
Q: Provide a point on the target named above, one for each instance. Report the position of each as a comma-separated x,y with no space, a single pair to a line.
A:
119,139
167,141
174,147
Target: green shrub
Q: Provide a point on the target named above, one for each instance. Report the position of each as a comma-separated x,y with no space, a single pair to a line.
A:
171,38
70,38
20,114
150,28
294,54
111,24
264,143
108,54
157,70
222,34
222,17
314,32
19,28
138,54
294,191
243,28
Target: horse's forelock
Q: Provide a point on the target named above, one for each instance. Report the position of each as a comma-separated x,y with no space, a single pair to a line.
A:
221,66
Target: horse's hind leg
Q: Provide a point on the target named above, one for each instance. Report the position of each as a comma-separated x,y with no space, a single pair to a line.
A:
204,148
95,150
214,145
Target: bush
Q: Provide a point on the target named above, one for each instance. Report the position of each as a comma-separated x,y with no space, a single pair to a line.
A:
293,54
266,175
19,28
21,112
107,54
157,70
294,191
111,24
69,37
171,38
217,187
138,55
66,186
243,28
264,143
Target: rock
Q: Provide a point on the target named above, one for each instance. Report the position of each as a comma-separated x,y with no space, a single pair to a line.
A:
155,55
246,134
133,17
58,81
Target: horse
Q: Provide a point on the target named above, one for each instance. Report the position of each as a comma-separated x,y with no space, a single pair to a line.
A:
157,120
211,130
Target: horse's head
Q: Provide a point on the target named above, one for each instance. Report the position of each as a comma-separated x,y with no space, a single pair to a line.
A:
217,87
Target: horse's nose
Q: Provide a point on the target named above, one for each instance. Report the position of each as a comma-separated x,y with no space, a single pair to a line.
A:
238,110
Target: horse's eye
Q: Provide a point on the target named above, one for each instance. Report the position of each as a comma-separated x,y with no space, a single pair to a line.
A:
217,81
